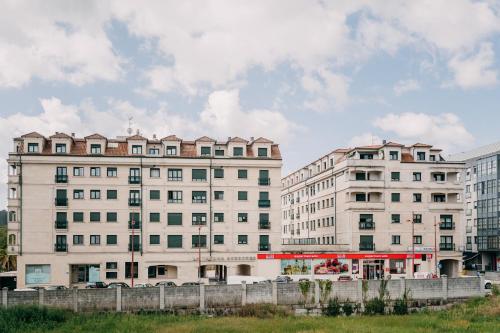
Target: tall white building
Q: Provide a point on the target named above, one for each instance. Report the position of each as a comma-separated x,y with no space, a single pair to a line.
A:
360,211
79,207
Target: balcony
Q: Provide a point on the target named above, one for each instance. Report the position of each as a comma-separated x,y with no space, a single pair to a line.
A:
365,205
61,178
447,246
264,181
367,225
61,202
367,246
366,183
61,247
137,247
446,206
134,179
264,225
134,202
61,224
447,226
264,203
136,225
264,247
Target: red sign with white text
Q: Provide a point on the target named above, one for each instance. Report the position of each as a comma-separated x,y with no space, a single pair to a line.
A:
341,255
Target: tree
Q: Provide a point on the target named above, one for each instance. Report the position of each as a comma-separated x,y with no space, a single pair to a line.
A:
7,262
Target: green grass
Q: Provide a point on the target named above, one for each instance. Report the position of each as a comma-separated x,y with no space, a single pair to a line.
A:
478,315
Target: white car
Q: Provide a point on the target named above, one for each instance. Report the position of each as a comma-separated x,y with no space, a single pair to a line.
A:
143,285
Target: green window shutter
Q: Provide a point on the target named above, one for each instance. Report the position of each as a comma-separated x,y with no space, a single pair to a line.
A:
95,217
174,241
111,217
264,217
154,239
238,151
199,241
242,195
242,174
219,152
242,239
263,195
61,194
77,216
205,151
263,173
174,219
264,239
218,239
112,194
134,216
62,216
199,174
395,197
218,217
218,173
262,152
154,217
154,195
111,240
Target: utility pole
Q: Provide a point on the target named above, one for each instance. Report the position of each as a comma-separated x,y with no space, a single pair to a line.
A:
132,244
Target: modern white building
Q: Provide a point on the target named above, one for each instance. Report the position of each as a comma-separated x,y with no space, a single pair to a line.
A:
80,207
372,211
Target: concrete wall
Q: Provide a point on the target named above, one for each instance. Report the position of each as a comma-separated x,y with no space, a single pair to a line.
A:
232,296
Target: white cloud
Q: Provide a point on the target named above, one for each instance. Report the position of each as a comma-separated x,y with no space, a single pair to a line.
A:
329,91
477,70
365,139
444,130
404,86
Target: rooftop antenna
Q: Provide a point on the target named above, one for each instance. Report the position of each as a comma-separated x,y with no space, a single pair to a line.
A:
129,129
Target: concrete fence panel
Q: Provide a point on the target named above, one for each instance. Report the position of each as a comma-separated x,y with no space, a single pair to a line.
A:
96,300
344,290
259,293
223,296
59,298
22,298
185,297
140,298
425,289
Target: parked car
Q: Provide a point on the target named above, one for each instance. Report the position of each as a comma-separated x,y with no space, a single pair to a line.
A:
166,284
56,288
284,279
24,289
37,288
191,283
96,285
116,284
143,285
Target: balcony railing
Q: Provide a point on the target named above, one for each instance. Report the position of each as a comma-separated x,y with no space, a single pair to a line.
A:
447,246
264,181
264,203
134,179
61,247
264,247
367,246
134,202
61,178
137,247
136,225
61,224
367,225
61,201
447,226
264,225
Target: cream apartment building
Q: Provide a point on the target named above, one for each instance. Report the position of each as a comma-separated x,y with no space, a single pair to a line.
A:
351,212
79,207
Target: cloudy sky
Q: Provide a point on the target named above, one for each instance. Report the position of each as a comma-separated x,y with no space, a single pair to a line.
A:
311,75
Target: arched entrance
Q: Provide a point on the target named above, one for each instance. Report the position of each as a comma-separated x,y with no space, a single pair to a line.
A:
243,270
449,267
214,273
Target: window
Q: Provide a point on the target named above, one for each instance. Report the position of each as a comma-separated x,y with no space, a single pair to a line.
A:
218,239
95,240
60,148
365,156
111,194
128,269
95,149
78,171
395,176
219,173
242,174
218,217
154,151
199,240
397,266
111,240
12,216
417,239
417,197
242,195
360,196
219,195
199,175
154,217
111,275
32,147
174,196
420,156
95,172
171,150
77,239
112,265
77,216
112,172
417,218
395,197
174,241
262,152
174,219
242,217
175,174
395,218
394,155
396,239
111,217
417,177
432,158
154,239
95,217
154,195
238,151
78,194
219,152
242,239
206,151
136,149
199,196
199,218
366,221
360,176
95,194
154,173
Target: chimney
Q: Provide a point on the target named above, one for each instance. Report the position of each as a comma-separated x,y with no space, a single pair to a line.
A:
384,141
228,138
72,135
251,138
154,136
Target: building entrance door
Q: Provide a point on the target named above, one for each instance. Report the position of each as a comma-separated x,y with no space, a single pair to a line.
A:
373,269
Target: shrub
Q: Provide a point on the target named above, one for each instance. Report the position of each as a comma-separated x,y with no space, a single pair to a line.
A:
400,307
375,306
495,289
333,308
347,309
21,318
261,311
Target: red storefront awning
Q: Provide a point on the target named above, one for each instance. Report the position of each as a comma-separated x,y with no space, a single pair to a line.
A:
341,255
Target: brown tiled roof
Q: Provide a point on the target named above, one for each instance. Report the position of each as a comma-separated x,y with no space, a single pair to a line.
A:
60,135
393,144
407,157
171,138
262,140
136,137
32,135
342,150
205,139
237,139
95,136
418,144
370,147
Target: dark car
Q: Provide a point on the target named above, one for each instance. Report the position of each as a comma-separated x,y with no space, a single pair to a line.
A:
37,288
166,284
345,278
191,283
116,284
283,279
96,285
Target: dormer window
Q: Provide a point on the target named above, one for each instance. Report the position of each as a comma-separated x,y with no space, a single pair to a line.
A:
171,150
205,151
60,148
262,152
432,158
238,151
136,149
420,156
394,155
95,149
154,151
33,148
219,152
